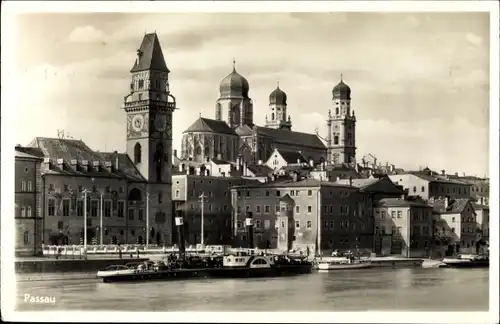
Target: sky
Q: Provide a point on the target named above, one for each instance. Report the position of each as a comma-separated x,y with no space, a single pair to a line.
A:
419,81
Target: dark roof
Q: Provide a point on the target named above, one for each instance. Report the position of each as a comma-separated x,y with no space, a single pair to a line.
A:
398,202
290,137
220,162
244,130
455,206
70,149
210,126
259,170
480,207
150,55
288,182
358,183
292,156
29,152
341,91
234,84
287,198
277,97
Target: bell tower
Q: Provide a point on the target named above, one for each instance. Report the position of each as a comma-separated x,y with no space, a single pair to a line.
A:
149,107
277,105
341,126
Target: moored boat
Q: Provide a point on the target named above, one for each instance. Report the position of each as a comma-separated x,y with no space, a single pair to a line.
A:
114,270
342,263
467,261
238,265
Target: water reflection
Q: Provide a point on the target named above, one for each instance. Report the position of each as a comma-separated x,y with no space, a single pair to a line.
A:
370,289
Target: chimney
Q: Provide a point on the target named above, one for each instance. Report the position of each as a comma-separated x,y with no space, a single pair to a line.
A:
392,167
273,177
311,162
446,201
188,170
298,161
259,162
443,172
294,176
175,153
219,156
46,163
96,165
85,165
181,167
108,166
74,164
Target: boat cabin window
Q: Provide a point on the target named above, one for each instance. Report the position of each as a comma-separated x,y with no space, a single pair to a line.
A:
260,261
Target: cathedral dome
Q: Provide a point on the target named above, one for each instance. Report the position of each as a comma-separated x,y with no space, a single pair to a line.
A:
341,91
234,85
277,97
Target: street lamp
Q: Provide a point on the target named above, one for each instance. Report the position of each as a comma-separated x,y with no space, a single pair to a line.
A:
202,202
85,191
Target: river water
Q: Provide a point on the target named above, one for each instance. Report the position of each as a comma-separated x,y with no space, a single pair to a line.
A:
359,290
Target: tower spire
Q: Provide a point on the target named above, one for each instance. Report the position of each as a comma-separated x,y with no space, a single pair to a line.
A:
234,65
278,84
341,79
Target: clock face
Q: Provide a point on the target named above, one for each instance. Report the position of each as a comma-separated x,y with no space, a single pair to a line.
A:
160,123
137,122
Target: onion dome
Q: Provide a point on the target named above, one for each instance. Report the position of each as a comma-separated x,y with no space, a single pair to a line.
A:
277,97
234,85
341,90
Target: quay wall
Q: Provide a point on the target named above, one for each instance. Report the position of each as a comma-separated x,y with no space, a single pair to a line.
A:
69,265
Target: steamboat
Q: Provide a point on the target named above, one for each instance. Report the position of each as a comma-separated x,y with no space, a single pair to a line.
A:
467,261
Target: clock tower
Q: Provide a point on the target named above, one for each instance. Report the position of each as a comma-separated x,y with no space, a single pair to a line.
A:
149,107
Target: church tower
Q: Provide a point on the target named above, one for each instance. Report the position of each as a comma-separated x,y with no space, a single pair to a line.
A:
234,101
277,105
149,107
341,126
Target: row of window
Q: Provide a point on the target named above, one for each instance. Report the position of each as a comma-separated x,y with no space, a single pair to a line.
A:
27,185
93,209
194,194
210,207
25,211
298,224
81,188
463,219
293,193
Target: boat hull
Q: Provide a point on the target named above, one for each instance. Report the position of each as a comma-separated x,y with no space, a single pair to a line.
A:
222,273
467,264
332,267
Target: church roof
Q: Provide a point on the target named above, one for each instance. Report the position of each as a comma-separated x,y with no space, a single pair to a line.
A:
292,156
205,125
150,55
292,138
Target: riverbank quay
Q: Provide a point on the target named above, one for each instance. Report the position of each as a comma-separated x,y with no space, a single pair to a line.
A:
53,265
387,262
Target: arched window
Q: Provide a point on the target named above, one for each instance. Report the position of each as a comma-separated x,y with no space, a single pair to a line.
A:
335,140
160,197
23,211
272,116
26,238
135,195
337,111
423,189
414,189
28,211
137,153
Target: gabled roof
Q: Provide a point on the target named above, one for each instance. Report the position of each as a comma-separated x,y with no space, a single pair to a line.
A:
259,170
287,198
380,185
126,167
290,137
455,206
244,130
67,149
205,125
438,179
292,157
150,55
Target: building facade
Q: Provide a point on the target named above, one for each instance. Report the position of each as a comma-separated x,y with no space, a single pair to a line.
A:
403,226
427,185
305,215
28,201
131,190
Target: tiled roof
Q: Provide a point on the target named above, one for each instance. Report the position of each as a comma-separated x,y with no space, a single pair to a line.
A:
287,182
210,126
455,206
292,156
290,137
151,55
69,149
29,152
126,167
398,202
259,170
